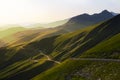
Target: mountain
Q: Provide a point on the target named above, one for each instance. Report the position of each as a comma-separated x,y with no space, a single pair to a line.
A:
27,35
18,35
98,42
85,20
78,22
58,57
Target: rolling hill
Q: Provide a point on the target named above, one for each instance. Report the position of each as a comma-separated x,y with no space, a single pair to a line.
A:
4,34
100,42
19,35
10,31
57,57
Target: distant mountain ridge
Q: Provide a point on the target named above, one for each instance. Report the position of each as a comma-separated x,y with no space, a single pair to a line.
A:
85,20
115,14
68,25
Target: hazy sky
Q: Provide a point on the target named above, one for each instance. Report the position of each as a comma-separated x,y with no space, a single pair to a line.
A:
38,11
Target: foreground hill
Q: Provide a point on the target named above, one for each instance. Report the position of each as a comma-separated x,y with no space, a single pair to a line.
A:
59,57
101,42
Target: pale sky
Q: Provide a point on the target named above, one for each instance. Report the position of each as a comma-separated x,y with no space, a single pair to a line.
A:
39,11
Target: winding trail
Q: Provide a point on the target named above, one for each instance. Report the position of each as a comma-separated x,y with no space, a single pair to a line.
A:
96,59
82,59
48,58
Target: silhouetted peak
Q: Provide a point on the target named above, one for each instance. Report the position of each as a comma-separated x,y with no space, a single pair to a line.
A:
85,14
105,12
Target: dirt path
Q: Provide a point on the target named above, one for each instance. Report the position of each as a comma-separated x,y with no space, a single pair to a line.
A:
48,58
96,59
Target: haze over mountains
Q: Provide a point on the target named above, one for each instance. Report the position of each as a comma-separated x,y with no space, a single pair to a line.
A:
58,27
62,22
57,53
81,20
63,26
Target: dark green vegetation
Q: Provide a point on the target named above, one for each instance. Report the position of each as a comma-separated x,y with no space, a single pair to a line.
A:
26,62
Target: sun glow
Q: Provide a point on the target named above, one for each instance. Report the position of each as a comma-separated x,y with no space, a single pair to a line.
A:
38,11
19,11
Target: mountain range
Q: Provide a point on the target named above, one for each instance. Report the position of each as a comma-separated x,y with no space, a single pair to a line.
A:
85,20
19,34
67,52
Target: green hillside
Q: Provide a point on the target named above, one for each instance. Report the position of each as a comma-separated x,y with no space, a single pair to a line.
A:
4,34
16,36
58,57
10,31
109,48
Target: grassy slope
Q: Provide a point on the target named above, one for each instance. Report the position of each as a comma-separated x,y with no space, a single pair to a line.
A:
25,52
93,70
10,31
107,48
26,36
82,70
4,35
63,47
